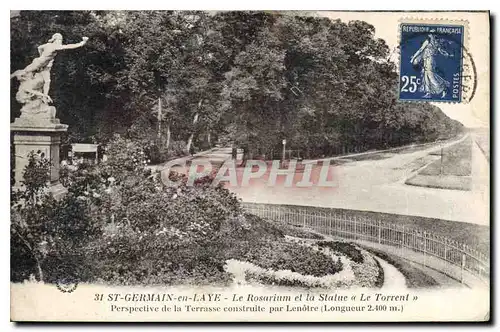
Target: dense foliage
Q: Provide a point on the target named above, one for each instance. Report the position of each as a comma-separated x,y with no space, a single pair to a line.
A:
120,224
152,85
252,78
293,257
299,232
344,248
46,233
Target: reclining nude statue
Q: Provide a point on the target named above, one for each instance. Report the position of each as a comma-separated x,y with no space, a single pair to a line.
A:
34,80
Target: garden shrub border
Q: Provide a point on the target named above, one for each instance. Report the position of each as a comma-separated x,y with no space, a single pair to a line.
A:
252,272
381,276
283,255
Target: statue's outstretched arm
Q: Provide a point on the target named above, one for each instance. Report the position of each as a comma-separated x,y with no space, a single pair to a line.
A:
77,45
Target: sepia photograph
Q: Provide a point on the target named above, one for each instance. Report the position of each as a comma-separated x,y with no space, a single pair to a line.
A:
228,165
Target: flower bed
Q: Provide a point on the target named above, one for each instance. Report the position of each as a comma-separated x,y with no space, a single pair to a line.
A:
366,269
345,248
298,232
293,264
380,278
248,272
367,273
281,255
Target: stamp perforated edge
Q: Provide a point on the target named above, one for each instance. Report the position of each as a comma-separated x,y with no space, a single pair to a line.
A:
465,46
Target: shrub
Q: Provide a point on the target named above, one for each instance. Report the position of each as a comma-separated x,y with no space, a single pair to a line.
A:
298,232
125,158
122,224
176,149
251,272
380,278
157,151
250,227
45,231
119,223
164,234
153,153
345,248
167,256
289,256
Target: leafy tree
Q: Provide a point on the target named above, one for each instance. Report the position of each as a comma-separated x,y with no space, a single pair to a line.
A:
84,88
251,78
46,233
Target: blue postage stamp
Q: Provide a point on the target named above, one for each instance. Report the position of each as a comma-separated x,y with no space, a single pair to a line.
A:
431,62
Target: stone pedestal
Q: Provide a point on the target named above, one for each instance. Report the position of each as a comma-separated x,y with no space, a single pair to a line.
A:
38,134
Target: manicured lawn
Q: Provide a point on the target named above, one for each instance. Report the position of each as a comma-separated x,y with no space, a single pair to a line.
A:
456,160
451,182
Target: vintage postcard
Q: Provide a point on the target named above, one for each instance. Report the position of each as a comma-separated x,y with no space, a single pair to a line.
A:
250,166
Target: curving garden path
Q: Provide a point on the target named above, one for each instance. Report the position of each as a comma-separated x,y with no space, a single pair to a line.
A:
393,279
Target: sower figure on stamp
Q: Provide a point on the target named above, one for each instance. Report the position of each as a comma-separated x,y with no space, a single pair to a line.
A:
44,62
432,82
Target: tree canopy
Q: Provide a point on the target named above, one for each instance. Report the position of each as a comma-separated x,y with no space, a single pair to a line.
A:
251,78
